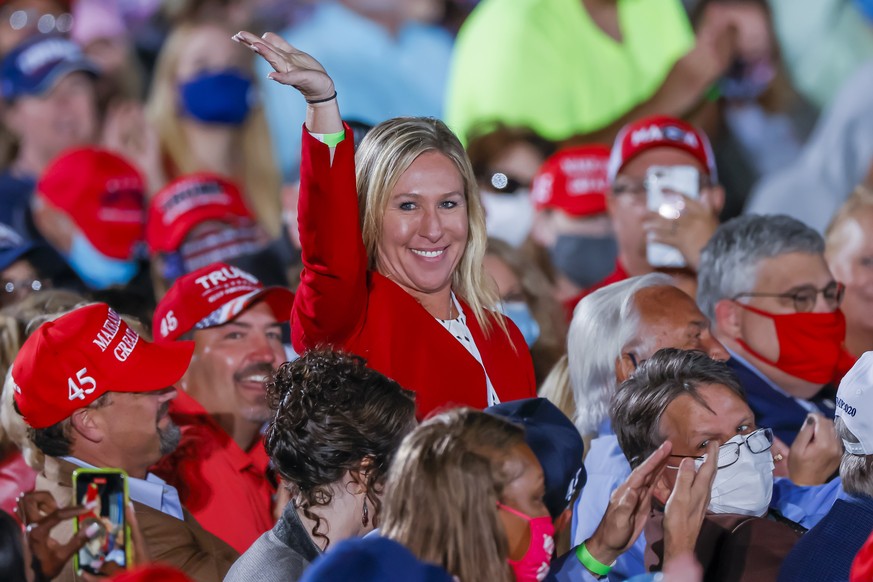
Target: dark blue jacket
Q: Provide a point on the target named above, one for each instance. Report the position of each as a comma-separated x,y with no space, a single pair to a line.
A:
826,552
777,411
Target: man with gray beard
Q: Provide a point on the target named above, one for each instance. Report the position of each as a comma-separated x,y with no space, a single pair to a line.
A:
95,394
235,323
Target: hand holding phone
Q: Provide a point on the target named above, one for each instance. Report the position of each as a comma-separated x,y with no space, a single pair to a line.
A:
667,190
104,494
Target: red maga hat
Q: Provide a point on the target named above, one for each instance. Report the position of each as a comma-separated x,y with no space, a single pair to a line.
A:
188,201
573,180
212,296
660,131
70,362
102,193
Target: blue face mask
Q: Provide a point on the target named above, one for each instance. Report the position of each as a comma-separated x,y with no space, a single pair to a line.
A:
223,97
95,269
520,314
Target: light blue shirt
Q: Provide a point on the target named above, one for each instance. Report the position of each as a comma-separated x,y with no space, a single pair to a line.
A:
608,468
377,75
151,491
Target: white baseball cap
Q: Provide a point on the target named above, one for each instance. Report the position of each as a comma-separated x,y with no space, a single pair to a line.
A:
855,405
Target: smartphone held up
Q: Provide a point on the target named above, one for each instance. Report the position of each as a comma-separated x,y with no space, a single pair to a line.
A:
104,492
667,189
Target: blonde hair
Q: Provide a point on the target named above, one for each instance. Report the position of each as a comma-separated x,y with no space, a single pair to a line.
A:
835,236
17,322
442,492
385,153
260,181
556,388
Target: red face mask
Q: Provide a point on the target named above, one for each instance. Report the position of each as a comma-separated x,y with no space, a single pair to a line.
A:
810,344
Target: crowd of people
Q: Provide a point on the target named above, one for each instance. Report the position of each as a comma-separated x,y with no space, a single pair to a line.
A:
436,290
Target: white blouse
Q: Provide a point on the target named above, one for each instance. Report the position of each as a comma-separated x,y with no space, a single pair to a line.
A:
458,328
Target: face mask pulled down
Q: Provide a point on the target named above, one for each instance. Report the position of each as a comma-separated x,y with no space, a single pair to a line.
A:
746,486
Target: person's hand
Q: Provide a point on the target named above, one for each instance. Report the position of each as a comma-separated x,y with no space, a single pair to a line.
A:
628,509
39,513
815,453
686,506
292,67
688,233
127,132
683,568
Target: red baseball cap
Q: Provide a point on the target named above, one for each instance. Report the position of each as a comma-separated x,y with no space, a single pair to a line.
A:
70,362
212,296
573,180
660,131
102,193
188,201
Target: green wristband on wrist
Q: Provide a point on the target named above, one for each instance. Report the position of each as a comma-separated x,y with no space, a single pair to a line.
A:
332,140
591,563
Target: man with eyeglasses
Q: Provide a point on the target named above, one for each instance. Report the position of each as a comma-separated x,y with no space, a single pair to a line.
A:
691,400
764,282
665,142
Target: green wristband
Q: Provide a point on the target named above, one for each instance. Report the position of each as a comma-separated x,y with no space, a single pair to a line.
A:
591,563
331,140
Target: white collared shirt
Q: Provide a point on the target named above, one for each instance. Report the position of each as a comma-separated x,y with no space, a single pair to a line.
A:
151,491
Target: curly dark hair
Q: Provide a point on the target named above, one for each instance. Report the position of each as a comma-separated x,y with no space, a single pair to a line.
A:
332,415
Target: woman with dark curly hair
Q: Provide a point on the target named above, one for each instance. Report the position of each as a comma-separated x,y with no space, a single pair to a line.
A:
336,427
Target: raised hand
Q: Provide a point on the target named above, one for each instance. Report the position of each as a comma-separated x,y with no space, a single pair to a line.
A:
39,512
628,509
686,506
815,453
292,67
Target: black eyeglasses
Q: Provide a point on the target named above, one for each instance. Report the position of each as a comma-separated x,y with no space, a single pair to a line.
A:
501,183
758,441
804,298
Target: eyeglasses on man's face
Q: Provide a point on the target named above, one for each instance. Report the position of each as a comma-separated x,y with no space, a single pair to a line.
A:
804,298
758,441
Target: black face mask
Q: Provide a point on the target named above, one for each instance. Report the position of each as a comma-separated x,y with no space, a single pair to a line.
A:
585,260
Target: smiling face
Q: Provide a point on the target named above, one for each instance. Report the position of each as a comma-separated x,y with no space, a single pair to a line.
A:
424,227
231,365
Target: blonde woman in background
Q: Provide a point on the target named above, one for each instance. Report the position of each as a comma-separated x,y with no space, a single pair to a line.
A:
849,253
201,106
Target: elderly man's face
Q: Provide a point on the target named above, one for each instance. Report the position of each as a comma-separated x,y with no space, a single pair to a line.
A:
689,424
669,318
778,279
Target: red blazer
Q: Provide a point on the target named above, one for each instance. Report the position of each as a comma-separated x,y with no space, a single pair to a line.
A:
341,304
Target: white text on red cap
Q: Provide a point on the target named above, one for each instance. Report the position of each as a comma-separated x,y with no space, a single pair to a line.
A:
658,133
108,332
223,275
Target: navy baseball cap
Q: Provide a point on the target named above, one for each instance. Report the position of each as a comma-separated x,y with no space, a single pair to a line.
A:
34,66
372,559
555,441
12,247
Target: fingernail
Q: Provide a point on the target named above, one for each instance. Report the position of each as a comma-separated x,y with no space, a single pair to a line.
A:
92,530
810,419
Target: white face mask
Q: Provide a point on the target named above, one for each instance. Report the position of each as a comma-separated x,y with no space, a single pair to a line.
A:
746,486
508,217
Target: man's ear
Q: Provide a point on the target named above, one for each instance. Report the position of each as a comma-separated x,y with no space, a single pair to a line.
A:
87,425
727,318
624,367
715,198
662,489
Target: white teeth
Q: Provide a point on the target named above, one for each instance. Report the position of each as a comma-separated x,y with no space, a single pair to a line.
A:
260,378
429,254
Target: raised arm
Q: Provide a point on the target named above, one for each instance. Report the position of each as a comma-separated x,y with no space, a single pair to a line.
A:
331,301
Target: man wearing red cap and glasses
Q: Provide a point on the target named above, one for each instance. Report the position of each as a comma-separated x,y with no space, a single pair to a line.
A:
661,145
235,323
95,394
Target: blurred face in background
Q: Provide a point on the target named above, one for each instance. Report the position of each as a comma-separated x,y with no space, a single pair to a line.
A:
849,254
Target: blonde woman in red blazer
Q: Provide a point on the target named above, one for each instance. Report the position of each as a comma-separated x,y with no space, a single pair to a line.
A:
393,258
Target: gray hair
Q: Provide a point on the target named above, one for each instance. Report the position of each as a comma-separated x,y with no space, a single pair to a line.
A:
729,261
644,397
602,326
856,471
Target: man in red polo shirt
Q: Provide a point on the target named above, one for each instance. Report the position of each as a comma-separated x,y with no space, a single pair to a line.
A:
220,467
660,141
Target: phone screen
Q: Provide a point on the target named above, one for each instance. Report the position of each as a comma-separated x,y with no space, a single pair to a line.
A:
105,494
